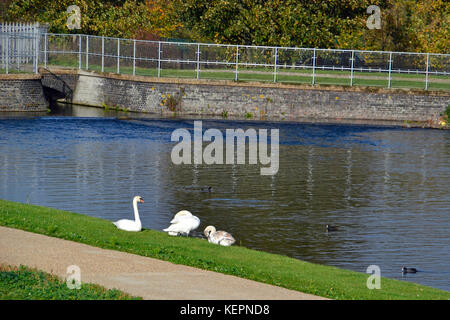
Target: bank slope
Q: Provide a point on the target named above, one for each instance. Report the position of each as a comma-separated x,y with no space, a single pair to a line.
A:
255,265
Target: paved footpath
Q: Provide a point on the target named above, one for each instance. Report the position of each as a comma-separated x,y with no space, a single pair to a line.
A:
139,276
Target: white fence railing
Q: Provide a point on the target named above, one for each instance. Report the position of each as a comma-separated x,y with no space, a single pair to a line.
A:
19,46
237,62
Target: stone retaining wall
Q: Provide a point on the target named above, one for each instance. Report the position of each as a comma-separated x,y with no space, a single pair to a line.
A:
256,100
167,96
22,92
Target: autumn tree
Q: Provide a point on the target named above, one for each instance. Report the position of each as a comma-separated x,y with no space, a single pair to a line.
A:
273,22
410,25
126,18
406,25
430,26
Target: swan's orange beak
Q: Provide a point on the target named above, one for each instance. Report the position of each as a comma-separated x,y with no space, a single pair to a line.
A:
141,200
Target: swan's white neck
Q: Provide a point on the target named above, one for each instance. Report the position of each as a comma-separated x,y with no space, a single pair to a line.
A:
136,212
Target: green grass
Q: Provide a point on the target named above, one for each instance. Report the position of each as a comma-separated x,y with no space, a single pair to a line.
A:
269,268
25,283
14,70
285,75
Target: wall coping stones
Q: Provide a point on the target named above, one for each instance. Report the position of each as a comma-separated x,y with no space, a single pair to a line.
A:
20,76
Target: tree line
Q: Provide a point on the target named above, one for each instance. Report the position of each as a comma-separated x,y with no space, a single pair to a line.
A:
405,25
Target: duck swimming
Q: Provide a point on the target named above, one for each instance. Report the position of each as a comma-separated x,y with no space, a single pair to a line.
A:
331,228
218,237
409,270
182,223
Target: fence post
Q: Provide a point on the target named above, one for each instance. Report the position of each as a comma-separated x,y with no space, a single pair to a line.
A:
36,48
275,66
159,59
27,44
79,51
87,52
118,55
3,46
19,40
11,45
237,63
198,60
390,68
30,36
426,72
19,47
103,54
45,50
7,53
33,45
314,66
134,57
351,71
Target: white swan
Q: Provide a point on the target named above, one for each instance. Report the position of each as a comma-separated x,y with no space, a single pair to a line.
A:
218,237
131,225
182,223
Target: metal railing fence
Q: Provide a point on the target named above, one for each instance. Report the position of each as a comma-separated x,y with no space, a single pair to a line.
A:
19,47
239,62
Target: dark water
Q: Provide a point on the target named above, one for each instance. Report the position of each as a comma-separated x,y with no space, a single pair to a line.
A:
386,188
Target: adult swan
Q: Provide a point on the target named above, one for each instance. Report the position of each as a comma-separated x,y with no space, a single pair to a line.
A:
183,223
131,225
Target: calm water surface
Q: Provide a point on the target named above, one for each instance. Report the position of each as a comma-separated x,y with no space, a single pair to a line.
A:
386,188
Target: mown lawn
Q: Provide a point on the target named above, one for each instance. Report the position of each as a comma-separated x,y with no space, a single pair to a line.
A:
260,266
23,283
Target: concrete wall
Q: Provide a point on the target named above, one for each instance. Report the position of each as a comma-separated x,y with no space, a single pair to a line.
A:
20,92
267,101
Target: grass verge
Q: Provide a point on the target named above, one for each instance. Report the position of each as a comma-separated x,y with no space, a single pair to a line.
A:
285,75
255,265
23,283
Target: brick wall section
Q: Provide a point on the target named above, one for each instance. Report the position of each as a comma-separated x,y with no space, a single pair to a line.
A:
261,101
22,93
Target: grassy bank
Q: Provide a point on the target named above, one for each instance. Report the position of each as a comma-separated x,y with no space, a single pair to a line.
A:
23,283
284,75
239,261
